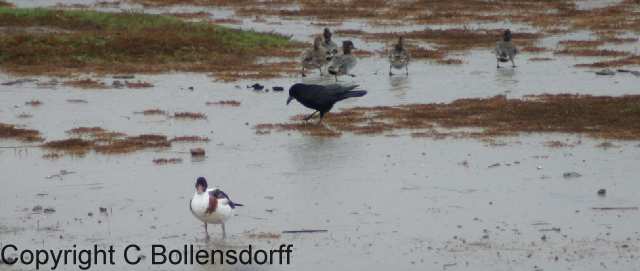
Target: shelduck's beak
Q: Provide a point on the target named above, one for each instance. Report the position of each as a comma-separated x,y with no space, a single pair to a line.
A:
289,100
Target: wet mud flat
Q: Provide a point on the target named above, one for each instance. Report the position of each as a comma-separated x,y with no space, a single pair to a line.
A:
412,179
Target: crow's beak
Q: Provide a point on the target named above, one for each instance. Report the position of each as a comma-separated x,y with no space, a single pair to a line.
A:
289,100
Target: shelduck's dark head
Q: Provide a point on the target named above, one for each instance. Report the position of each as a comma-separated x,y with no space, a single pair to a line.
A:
201,185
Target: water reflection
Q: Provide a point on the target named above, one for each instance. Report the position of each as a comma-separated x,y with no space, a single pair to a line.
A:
399,85
311,153
506,79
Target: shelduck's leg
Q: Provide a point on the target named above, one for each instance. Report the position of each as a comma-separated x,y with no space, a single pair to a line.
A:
224,232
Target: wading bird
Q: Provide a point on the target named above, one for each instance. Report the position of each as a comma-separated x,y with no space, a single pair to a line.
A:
329,46
344,63
399,57
322,98
505,50
314,58
211,205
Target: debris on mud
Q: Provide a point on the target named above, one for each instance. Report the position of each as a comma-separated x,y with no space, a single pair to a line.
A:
105,142
138,84
60,174
124,76
607,145
570,175
87,83
189,139
264,235
49,210
606,72
77,101
197,152
51,156
304,231
231,103
189,115
19,82
595,116
602,192
165,161
10,131
560,144
256,87
150,112
71,145
33,103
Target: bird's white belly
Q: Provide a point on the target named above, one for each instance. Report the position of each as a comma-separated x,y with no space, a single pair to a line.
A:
199,207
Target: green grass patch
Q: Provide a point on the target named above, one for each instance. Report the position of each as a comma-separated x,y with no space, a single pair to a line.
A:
138,42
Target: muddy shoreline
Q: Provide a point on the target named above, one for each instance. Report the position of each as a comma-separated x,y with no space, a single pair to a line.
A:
541,195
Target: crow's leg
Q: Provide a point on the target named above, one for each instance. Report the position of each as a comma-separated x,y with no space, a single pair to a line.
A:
406,69
224,231
321,117
310,116
390,73
303,74
320,70
498,63
513,63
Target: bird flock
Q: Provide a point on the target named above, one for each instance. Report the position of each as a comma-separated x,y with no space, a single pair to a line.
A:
324,53
213,206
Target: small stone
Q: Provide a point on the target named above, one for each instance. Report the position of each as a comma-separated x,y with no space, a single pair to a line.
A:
606,72
602,192
197,152
573,174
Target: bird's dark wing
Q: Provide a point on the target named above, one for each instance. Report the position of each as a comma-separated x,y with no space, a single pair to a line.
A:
337,88
219,194
322,98
339,93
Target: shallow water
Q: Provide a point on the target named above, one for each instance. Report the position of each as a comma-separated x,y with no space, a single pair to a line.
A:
387,202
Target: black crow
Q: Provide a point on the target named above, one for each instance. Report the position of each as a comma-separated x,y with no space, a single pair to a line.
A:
322,98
